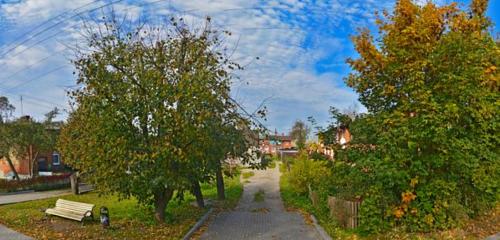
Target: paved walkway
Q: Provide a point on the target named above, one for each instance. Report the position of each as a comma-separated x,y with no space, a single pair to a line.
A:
24,197
9,234
260,220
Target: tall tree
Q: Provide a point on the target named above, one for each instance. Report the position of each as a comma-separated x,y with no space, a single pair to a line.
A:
21,136
429,146
152,100
299,133
6,109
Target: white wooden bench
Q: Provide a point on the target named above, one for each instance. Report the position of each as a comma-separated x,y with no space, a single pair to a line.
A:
72,210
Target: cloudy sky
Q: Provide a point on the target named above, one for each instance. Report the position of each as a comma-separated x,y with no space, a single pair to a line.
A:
301,45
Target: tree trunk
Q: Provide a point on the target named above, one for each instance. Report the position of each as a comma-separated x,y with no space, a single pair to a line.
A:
74,183
198,194
162,197
12,167
221,195
33,164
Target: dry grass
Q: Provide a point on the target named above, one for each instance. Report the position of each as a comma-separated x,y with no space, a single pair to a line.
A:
128,219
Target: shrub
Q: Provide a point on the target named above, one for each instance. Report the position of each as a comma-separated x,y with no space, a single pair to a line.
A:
247,174
426,154
37,183
305,172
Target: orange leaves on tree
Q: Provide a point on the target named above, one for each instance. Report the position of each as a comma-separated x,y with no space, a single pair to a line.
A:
407,197
398,212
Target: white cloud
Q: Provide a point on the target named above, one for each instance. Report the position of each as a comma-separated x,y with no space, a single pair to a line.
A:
289,37
39,10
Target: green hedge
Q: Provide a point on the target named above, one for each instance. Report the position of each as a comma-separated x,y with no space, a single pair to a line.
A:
41,183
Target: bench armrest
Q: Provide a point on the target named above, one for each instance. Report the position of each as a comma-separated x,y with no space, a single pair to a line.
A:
89,213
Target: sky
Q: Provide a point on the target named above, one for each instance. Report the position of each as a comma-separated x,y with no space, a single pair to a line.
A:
301,46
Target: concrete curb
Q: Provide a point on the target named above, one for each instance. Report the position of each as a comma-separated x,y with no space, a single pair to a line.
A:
18,192
320,229
197,225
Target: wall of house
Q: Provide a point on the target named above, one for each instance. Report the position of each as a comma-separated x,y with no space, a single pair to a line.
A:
21,166
269,147
286,144
49,163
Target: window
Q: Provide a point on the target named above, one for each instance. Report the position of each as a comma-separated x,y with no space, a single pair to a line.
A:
56,159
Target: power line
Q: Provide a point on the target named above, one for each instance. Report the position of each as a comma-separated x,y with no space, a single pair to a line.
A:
248,114
54,25
38,102
73,25
6,79
36,78
50,19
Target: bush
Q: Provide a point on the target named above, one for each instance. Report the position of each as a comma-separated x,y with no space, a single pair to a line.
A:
247,175
305,172
40,183
318,156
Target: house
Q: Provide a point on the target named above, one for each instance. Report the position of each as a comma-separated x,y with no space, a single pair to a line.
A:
343,136
272,144
333,136
34,162
44,164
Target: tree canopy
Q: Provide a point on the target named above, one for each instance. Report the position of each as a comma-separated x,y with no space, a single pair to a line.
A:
6,109
154,113
426,154
22,134
299,133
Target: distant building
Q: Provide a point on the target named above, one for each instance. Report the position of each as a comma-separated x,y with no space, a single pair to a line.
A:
342,136
44,164
271,144
34,162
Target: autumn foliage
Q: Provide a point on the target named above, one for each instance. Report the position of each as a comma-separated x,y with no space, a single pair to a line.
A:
430,82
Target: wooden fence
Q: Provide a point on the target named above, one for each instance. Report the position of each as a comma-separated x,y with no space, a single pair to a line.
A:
346,212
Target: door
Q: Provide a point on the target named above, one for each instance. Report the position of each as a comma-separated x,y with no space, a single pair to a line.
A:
42,164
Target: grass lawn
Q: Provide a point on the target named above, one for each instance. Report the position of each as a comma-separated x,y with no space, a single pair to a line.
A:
128,219
478,228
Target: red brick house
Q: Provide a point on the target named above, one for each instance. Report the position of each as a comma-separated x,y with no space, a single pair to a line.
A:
272,143
34,162
342,137
45,163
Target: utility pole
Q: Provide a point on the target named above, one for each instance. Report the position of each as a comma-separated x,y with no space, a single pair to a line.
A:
22,111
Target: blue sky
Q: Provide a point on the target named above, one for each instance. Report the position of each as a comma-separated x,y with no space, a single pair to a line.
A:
301,44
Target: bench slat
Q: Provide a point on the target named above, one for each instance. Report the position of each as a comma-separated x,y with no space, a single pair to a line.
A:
76,211
76,204
70,209
65,214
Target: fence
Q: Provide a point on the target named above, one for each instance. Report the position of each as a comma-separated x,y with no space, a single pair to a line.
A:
40,183
346,212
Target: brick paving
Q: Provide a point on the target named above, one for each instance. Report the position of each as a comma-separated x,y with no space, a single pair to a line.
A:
260,220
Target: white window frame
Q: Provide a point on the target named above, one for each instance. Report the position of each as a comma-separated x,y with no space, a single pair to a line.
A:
58,158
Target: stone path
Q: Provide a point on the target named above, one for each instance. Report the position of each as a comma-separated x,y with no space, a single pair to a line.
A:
9,234
260,220
24,197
